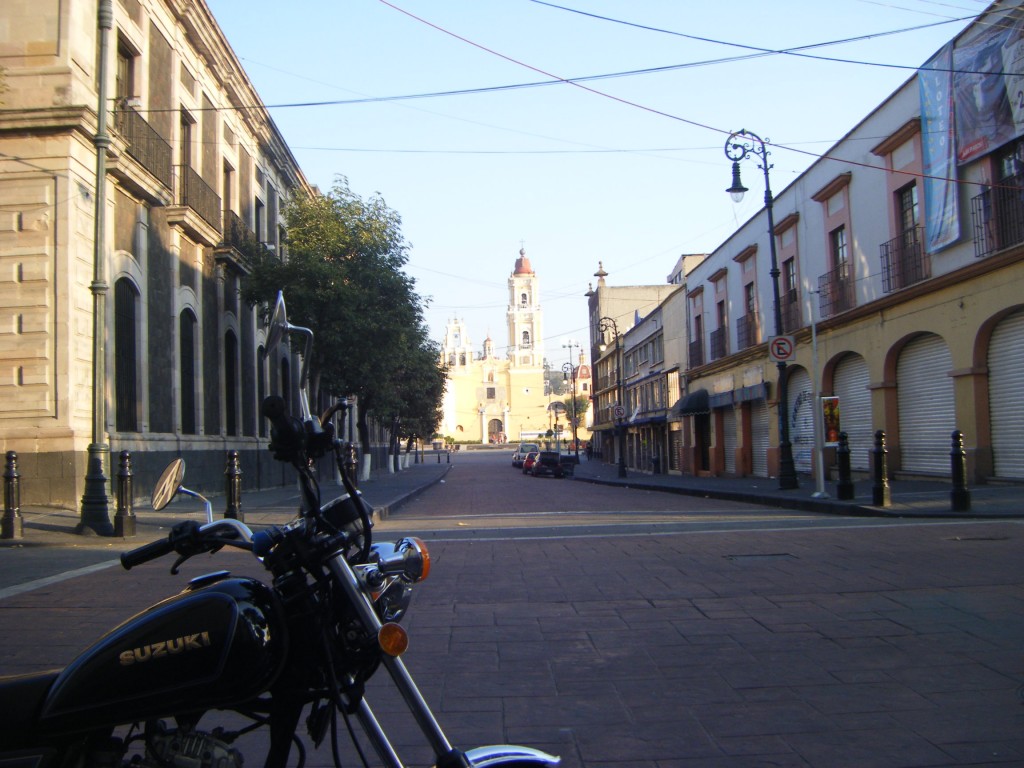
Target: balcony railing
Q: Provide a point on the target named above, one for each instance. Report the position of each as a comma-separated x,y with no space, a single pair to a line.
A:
904,261
145,145
199,196
746,331
835,290
792,311
236,233
696,353
719,343
997,215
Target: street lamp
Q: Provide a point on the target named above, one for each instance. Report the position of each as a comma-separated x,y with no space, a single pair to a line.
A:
739,146
569,373
608,324
570,370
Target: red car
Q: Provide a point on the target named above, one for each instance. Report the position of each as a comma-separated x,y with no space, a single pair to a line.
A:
531,457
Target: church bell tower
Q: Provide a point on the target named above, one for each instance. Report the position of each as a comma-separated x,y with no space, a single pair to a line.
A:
525,341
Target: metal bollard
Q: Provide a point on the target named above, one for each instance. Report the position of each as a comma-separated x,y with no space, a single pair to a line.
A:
124,517
438,457
449,458
959,497
844,484
233,488
13,525
879,456
352,463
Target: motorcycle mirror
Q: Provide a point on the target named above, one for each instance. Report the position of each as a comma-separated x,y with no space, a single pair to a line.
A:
167,486
278,327
278,323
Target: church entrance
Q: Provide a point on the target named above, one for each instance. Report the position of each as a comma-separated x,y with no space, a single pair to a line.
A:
496,432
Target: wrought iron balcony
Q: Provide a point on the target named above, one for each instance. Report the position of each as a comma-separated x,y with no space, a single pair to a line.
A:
145,145
997,215
835,291
236,233
696,353
904,261
792,311
196,194
746,331
719,343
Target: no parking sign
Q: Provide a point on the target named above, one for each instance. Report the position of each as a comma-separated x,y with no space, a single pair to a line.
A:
781,349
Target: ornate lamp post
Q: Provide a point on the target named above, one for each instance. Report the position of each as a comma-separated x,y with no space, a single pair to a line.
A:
569,374
95,504
569,370
739,146
608,324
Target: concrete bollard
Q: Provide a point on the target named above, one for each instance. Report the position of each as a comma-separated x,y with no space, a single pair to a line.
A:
959,496
13,524
233,488
880,470
124,517
844,483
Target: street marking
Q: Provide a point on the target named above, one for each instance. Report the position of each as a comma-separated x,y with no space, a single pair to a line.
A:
28,586
809,527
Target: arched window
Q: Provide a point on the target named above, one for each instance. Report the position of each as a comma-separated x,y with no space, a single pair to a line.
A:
230,384
524,300
126,356
462,358
526,340
187,368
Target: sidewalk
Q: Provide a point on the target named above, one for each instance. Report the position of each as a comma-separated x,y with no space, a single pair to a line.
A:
908,498
384,491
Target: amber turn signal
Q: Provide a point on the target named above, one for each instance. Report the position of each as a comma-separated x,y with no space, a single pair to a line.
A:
421,545
393,639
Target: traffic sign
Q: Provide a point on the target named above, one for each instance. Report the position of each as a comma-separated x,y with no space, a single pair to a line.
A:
619,412
781,349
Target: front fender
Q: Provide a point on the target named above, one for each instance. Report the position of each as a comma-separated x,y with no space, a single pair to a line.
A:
510,757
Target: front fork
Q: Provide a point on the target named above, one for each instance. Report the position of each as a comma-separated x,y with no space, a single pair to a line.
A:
447,756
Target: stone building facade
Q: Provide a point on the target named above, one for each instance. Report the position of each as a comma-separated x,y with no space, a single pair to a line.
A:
194,176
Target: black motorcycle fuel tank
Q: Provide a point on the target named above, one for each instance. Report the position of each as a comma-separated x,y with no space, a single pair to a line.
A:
219,642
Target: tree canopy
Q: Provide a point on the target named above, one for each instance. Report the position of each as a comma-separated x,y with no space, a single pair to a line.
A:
343,279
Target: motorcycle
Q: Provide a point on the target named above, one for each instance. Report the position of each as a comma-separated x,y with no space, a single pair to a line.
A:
257,653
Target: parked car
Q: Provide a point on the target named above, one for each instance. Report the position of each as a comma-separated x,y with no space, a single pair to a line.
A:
521,451
529,460
547,463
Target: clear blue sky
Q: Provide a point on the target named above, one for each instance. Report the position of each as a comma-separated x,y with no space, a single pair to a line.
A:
629,171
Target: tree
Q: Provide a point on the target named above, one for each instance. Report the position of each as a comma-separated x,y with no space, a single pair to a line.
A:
343,280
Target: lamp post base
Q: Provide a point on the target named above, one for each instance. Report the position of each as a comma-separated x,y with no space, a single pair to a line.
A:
787,469
95,517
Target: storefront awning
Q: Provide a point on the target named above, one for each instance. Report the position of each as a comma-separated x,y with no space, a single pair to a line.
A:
694,403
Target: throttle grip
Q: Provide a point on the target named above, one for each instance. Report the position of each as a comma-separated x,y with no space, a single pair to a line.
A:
146,552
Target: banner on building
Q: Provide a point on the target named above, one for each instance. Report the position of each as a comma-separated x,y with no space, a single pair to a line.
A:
988,78
938,145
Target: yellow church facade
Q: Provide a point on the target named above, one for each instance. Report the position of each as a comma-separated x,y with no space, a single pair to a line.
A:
498,397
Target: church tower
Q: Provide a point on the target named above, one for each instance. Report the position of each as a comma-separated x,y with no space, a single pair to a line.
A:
525,342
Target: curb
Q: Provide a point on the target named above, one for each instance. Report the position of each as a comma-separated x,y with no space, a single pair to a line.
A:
799,504
384,511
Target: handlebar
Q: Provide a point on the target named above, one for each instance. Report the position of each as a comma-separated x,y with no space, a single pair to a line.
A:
146,552
189,538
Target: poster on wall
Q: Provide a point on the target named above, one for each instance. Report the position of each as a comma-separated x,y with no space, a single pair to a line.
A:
988,83
830,418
